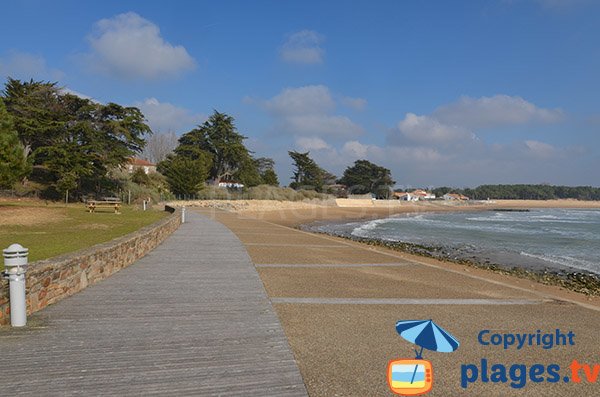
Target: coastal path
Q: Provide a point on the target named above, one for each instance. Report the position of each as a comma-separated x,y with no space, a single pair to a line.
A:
190,318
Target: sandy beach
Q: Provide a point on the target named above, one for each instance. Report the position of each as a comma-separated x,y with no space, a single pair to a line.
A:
294,213
338,302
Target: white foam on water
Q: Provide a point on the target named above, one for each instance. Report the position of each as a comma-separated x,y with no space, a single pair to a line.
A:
566,237
568,261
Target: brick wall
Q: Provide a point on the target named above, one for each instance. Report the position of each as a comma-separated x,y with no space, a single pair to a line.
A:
51,280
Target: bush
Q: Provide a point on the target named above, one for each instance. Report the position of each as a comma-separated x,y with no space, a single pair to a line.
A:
260,192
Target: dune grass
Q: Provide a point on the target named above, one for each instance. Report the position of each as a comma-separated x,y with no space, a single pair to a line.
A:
51,230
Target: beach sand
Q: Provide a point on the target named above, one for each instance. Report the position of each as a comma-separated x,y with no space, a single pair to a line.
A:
339,300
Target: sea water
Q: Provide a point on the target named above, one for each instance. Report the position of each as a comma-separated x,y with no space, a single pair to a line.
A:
566,239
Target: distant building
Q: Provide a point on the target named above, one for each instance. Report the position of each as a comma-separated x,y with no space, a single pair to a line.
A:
422,195
415,195
135,163
455,196
227,182
404,196
230,185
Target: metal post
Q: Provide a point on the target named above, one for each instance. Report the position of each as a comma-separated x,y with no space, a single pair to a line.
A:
15,264
183,214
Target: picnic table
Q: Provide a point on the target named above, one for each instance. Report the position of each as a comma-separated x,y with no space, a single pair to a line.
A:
93,204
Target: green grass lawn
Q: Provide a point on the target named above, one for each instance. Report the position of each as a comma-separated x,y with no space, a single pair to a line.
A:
51,230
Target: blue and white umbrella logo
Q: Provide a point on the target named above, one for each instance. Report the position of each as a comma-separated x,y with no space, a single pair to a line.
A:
427,335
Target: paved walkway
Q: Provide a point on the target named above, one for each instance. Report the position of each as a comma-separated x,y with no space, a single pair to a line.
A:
339,306
190,318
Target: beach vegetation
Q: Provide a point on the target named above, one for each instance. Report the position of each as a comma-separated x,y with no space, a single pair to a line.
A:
260,192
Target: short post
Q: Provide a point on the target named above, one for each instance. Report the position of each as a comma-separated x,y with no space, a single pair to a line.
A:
183,214
144,205
15,264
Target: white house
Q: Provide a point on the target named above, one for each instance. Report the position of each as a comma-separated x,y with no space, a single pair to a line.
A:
405,196
455,196
231,185
423,195
135,163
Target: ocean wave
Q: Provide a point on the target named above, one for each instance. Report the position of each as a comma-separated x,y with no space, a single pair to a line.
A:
565,260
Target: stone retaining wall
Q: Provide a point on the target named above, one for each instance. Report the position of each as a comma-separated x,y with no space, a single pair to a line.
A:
51,280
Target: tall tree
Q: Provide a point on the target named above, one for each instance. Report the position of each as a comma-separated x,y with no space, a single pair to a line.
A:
219,137
269,177
365,177
185,175
37,112
307,173
13,164
265,166
74,139
264,163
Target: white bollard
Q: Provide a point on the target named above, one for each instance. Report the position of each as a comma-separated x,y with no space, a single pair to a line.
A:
183,214
15,264
18,307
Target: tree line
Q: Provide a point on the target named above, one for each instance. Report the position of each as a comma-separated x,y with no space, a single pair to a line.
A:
61,143
524,192
65,143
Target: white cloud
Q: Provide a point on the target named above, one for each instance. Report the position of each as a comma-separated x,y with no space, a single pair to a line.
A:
129,46
311,143
354,103
495,111
541,149
327,125
309,111
303,47
425,129
67,90
310,99
164,116
355,149
25,66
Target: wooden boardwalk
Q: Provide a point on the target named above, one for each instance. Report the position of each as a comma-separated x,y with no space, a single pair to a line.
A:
190,318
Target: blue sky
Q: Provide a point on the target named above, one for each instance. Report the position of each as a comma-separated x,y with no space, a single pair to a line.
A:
456,93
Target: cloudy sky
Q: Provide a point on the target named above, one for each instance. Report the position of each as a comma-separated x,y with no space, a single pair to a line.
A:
456,93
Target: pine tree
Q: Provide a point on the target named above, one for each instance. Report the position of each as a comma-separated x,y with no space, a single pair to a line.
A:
13,165
185,175
308,174
269,177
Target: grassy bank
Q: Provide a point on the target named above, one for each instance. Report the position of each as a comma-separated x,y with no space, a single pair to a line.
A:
51,230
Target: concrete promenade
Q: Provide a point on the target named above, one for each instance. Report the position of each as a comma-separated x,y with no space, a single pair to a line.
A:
338,302
190,318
